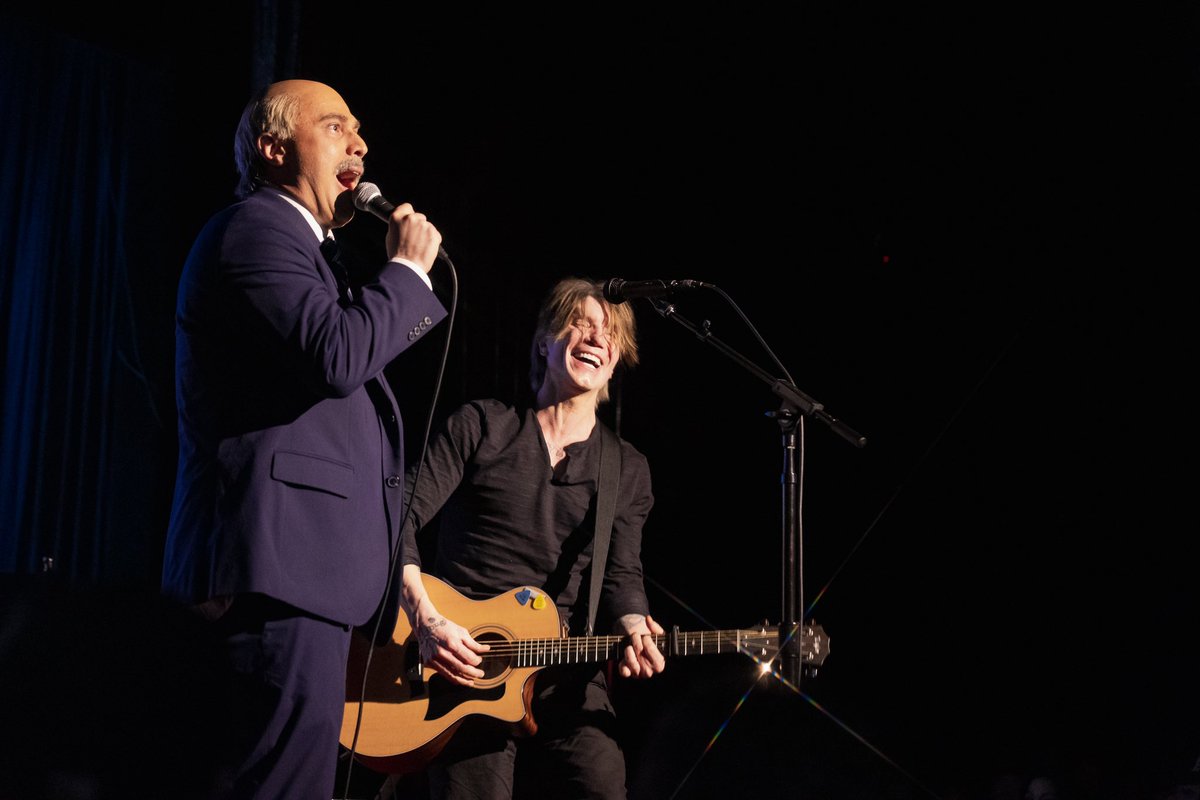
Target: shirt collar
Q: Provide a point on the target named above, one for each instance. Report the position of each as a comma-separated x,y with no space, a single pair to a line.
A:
312,221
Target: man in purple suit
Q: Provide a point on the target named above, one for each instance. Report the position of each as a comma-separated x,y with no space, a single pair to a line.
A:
289,487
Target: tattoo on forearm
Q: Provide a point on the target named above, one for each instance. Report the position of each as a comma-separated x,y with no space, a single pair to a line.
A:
426,634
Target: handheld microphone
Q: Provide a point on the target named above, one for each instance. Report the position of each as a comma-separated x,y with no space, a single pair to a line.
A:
368,197
618,290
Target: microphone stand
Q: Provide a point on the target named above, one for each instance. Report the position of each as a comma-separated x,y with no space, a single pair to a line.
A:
794,403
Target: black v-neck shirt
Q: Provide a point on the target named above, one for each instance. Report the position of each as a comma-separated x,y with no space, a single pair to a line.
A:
509,519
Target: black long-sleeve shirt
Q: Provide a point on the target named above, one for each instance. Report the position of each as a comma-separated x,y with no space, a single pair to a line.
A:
510,519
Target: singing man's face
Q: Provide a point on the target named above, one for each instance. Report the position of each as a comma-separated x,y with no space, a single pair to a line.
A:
323,161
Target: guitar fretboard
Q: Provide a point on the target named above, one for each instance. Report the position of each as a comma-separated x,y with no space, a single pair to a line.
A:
587,649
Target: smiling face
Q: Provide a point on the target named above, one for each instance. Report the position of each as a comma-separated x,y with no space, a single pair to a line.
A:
578,341
581,358
321,161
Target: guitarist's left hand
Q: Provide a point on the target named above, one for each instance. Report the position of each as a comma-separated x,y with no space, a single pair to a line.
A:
641,657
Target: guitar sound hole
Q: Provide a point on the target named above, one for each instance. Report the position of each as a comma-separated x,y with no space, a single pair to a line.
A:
497,662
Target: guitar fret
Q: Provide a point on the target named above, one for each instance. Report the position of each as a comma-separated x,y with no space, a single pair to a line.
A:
586,649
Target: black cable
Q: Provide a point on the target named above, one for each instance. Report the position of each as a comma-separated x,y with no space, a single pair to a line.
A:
754,331
395,554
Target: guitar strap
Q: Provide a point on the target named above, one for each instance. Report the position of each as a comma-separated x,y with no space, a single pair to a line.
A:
606,503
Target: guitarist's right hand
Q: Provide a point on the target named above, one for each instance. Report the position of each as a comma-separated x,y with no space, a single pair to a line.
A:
446,646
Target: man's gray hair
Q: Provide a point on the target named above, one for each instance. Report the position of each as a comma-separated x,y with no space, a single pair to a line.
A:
275,115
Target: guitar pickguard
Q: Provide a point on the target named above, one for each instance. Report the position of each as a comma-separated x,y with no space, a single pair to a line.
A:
445,698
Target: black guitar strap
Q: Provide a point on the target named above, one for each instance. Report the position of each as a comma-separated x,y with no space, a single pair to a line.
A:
606,503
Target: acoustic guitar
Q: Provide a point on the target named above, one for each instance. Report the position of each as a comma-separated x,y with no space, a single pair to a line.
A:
406,713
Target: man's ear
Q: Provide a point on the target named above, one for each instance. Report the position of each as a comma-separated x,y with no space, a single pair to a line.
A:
543,349
272,149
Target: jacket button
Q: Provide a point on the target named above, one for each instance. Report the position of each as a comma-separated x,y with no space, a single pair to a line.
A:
392,481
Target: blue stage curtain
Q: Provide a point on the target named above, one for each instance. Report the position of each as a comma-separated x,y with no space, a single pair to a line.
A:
85,433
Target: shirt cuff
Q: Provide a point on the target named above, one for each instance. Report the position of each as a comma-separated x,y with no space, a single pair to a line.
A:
415,268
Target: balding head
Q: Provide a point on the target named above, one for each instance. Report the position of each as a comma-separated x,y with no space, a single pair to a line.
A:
273,109
300,137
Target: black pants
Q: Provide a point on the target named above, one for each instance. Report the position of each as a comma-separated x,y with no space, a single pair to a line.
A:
574,754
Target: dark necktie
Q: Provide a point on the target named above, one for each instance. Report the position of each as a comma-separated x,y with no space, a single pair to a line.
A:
331,250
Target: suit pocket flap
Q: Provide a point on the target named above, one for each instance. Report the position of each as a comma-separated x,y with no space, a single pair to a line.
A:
313,472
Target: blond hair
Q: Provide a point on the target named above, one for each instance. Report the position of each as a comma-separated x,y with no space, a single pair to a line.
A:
562,306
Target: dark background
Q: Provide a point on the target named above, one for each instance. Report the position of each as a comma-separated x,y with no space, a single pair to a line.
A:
966,232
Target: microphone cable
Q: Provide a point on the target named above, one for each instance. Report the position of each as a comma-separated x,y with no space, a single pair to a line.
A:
394,558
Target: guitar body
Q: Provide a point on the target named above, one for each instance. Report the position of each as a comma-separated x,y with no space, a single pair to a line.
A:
409,713
405,714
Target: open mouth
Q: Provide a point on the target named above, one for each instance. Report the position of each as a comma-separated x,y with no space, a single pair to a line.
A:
588,359
349,177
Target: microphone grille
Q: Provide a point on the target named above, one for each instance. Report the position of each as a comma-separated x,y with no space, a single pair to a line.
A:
612,291
364,193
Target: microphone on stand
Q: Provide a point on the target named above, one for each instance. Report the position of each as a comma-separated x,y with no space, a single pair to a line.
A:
618,290
368,197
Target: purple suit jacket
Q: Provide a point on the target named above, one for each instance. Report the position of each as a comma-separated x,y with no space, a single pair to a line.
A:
290,441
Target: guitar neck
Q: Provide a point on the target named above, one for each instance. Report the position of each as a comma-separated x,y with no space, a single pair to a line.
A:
588,649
